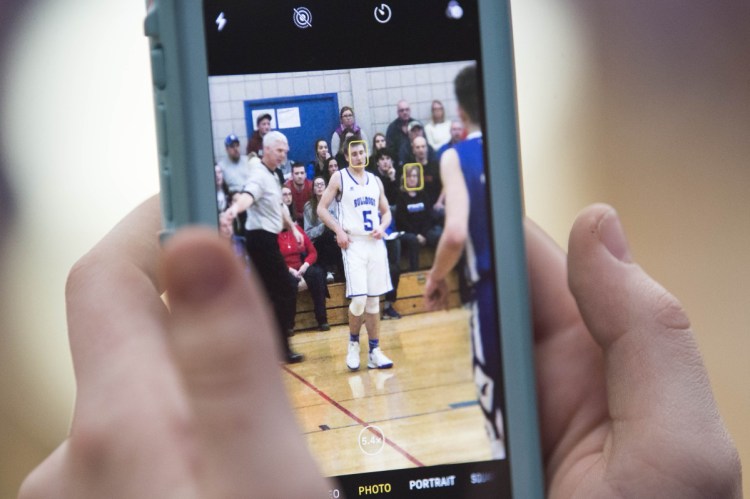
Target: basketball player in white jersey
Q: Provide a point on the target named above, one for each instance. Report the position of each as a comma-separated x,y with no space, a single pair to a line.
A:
363,218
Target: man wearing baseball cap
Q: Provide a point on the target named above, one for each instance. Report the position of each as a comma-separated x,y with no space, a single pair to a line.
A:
405,154
234,165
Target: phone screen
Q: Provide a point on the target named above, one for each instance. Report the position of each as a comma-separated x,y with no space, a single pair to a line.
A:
348,83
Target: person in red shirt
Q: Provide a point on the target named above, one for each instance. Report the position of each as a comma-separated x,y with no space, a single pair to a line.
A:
302,189
301,262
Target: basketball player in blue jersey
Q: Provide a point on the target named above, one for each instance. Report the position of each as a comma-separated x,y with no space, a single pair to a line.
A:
363,218
467,229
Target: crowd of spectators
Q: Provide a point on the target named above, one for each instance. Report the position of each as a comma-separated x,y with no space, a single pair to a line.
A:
406,158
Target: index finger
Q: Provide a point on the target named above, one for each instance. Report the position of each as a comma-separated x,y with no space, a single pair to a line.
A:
552,302
113,299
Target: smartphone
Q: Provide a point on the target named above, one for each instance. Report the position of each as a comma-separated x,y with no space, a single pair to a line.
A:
453,411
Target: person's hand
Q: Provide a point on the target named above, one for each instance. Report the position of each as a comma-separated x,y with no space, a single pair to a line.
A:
377,233
298,236
167,401
302,269
295,273
436,293
227,216
391,172
225,228
625,405
343,239
421,239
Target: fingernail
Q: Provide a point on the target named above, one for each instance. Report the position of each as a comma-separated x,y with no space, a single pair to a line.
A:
613,237
199,276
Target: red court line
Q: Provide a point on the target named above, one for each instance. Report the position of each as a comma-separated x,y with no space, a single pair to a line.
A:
353,416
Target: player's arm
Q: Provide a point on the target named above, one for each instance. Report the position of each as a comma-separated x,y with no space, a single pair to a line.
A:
241,202
334,186
455,232
385,213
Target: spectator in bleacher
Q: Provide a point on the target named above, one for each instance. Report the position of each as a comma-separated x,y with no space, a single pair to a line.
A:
457,135
287,200
234,166
222,191
301,189
300,259
332,166
317,166
346,129
255,142
431,168
384,169
438,130
378,142
284,171
397,132
323,238
406,153
414,216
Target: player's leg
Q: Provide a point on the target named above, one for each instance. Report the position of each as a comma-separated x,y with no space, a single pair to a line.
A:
355,267
378,283
486,353
356,318
376,358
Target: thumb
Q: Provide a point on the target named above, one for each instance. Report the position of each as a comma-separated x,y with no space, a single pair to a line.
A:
222,340
659,397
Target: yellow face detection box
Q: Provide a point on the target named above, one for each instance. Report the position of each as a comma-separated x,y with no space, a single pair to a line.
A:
350,157
413,172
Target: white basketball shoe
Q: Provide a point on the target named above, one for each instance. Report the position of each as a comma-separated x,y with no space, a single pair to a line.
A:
352,356
378,360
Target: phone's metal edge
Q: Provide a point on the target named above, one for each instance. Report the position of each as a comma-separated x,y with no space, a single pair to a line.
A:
512,280
184,123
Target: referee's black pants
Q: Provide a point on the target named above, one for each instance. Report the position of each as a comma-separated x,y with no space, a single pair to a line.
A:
281,287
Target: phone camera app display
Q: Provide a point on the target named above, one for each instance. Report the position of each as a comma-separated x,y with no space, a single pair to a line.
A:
340,169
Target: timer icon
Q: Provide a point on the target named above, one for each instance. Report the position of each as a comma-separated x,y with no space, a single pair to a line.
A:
383,13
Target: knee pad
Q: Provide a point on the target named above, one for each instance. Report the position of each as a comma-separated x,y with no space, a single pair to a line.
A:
357,306
373,305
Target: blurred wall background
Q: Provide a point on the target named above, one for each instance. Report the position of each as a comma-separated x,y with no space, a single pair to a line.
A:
644,106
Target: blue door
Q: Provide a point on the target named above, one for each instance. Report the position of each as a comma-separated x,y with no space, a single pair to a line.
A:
303,119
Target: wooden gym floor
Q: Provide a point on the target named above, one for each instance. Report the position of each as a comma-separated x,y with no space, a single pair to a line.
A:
425,405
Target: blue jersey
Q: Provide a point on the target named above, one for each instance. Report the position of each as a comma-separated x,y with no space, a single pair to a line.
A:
478,251
484,326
